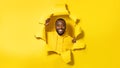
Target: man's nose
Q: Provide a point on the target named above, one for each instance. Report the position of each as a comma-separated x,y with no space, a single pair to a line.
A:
60,27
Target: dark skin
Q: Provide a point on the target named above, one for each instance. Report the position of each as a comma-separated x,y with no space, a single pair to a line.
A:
47,21
60,26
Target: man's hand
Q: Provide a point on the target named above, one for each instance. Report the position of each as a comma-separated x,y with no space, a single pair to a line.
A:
47,21
74,40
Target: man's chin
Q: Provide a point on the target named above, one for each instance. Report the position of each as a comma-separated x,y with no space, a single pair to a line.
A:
61,33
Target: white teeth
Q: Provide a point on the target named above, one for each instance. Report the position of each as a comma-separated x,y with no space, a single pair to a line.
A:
60,30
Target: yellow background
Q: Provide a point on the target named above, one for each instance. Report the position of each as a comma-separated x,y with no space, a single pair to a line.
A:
100,20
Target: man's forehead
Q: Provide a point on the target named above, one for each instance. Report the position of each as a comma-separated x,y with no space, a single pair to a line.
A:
60,21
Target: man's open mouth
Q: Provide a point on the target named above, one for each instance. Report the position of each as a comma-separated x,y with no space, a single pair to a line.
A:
60,30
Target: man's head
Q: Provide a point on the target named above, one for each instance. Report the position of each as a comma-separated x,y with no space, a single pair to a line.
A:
60,26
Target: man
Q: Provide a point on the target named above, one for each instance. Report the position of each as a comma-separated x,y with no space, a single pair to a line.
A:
57,38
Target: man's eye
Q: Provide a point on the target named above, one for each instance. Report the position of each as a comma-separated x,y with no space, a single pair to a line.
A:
63,27
58,25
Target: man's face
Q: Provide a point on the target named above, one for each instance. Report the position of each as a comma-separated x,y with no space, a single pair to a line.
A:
60,26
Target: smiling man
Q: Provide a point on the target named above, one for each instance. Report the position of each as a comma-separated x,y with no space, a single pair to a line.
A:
58,40
60,26
56,33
